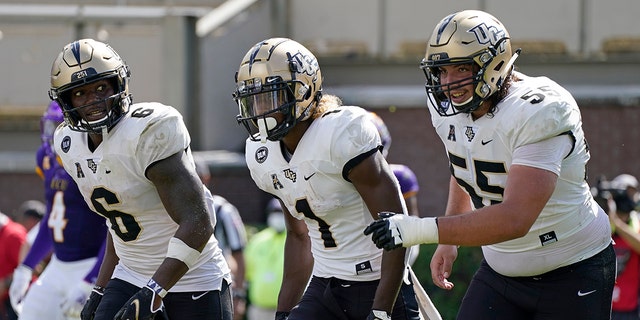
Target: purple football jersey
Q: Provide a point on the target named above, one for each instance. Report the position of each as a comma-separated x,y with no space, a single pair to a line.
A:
69,227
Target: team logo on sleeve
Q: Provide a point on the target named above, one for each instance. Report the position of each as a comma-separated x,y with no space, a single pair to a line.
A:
261,154
65,145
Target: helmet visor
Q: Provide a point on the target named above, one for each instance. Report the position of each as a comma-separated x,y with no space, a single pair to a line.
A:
262,103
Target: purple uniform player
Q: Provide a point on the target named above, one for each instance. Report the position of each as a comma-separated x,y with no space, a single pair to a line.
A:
69,228
407,179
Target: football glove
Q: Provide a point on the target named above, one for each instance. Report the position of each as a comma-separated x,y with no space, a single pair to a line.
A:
75,299
282,315
89,308
22,276
400,230
139,306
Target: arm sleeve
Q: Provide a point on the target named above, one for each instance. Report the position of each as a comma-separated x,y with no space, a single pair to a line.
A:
42,245
93,273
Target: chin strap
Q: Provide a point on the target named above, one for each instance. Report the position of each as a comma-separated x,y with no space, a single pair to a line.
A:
515,56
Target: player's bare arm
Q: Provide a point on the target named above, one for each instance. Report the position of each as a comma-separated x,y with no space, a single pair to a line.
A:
376,184
445,255
298,262
182,195
108,263
527,191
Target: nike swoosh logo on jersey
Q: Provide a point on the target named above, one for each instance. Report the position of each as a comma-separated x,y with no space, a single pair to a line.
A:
485,142
196,297
582,294
309,177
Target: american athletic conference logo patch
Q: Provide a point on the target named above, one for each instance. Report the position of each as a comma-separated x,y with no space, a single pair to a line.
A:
65,145
261,154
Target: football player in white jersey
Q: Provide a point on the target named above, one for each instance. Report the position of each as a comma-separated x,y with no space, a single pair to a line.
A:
517,156
133,165
323,161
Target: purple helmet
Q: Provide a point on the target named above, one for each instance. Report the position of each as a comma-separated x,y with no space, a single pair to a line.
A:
385,136
50,120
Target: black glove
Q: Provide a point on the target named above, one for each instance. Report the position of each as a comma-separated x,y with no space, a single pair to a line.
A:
382,234
139,306
378,315
282,315
89,308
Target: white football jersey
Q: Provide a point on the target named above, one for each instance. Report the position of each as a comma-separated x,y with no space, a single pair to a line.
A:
112,181
480,155
313,185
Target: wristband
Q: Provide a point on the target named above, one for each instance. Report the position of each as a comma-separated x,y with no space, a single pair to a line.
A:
155,287
181,251
98,289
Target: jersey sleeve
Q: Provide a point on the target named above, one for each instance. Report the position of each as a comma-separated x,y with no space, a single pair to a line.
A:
42,244
355,136
162,137
92,275
549,121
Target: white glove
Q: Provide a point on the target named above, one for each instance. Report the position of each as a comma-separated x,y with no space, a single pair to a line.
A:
22,276
75,299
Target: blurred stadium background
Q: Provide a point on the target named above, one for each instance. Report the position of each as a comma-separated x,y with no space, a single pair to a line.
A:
185,53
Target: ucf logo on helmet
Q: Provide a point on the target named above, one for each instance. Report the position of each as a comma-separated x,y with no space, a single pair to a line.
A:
304,64
491,35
